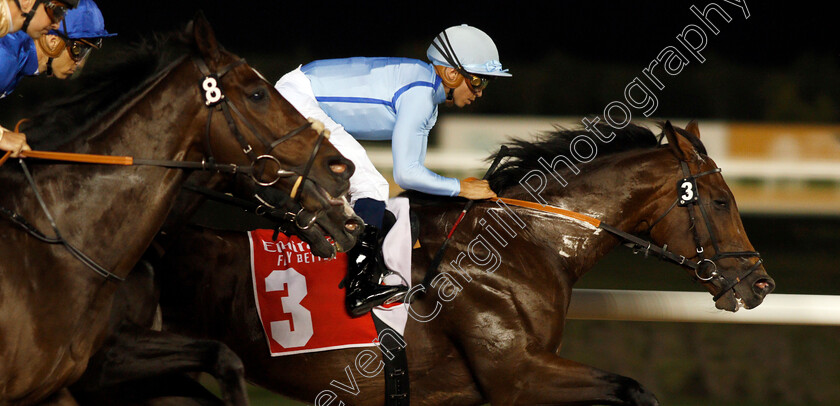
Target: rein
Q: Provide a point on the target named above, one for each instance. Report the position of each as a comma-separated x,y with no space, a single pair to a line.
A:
646,245
688,198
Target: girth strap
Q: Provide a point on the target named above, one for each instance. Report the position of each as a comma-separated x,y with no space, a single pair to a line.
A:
397,388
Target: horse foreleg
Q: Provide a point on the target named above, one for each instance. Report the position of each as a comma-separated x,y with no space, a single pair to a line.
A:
547,379
137,353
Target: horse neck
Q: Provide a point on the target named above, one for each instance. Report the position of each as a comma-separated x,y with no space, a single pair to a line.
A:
128,204
617,190
151,123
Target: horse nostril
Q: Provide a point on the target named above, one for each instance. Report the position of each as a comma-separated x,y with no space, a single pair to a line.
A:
341,167
338,168
764,286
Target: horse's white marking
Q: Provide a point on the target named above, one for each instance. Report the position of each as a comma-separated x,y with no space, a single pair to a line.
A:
260,75
348,209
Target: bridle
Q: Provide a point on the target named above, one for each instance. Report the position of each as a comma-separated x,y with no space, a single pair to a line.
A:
214,99
688,196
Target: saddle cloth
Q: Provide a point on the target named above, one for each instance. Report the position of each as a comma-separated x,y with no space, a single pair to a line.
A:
298,300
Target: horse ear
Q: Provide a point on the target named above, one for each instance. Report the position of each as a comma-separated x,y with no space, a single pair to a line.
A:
679,145
693,128
205,38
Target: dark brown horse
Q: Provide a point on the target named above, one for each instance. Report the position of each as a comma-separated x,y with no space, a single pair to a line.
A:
491,326
53,307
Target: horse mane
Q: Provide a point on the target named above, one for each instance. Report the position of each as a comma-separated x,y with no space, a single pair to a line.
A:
102,90
523,155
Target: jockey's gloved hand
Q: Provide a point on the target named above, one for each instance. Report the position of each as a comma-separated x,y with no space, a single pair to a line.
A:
476,189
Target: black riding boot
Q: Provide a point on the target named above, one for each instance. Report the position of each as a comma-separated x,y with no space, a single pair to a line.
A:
365,266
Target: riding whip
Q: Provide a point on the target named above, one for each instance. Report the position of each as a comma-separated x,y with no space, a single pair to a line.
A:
430,274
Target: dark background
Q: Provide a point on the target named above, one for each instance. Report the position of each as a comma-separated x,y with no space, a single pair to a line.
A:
568,58
625,31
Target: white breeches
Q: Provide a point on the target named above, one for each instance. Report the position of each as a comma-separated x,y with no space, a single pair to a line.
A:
366,182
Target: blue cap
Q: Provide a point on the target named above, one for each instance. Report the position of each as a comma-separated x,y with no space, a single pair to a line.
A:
84,21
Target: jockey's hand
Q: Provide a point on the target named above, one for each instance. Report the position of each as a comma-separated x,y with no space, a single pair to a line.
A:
12,141
475,189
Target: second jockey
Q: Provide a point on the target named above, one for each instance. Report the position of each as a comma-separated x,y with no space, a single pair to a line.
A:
60,53
392,99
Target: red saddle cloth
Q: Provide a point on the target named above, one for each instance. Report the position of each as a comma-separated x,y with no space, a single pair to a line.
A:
298,300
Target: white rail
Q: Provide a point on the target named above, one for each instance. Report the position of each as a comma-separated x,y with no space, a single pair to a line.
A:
697,307
732,168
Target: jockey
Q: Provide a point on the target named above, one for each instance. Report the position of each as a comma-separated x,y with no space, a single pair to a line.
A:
81,31
40,17
392,99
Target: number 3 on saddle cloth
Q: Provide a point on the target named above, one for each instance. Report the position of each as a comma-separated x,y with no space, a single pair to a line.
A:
298,300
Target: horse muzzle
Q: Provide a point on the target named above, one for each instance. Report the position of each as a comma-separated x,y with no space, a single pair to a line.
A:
747,292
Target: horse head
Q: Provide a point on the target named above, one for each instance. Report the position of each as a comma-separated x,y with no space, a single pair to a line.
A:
694,214
271,138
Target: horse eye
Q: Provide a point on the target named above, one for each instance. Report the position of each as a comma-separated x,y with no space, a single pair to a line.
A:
722,203
257,95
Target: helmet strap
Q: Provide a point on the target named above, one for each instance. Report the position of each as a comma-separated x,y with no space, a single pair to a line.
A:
49,71
30,15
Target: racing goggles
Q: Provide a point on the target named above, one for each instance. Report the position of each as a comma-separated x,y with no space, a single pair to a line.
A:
56,10
79,49
475,83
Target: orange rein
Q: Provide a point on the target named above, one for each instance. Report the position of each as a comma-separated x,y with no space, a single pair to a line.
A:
549,209
69,156
85,158
544,208
72,157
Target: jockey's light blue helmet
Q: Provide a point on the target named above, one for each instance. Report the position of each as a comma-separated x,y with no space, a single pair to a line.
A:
84,21
468,48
